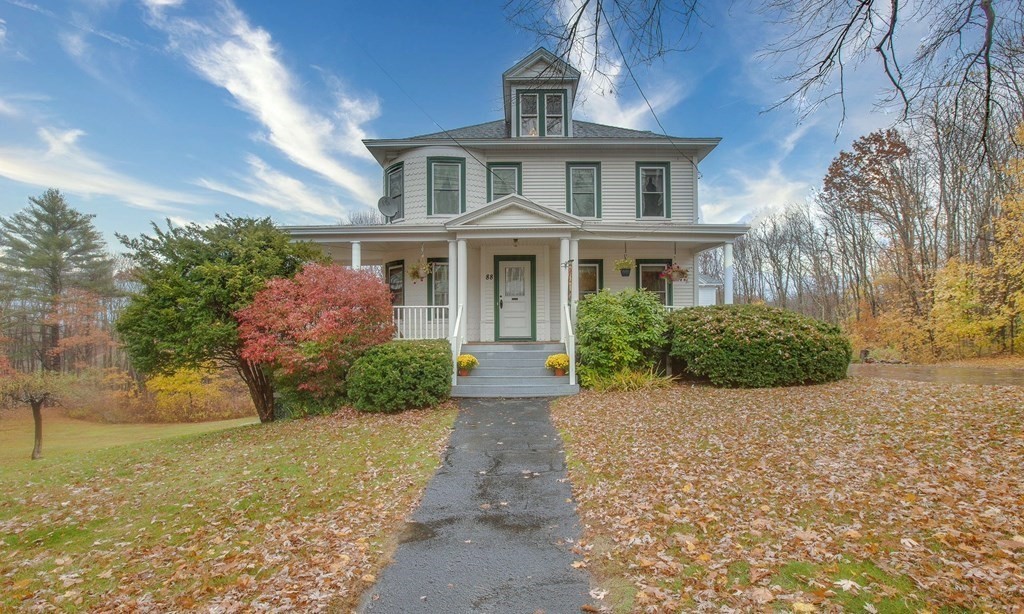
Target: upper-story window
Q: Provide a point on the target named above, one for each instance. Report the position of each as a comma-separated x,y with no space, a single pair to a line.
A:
504,178
653,191
394,185
542,113
583,188
446,186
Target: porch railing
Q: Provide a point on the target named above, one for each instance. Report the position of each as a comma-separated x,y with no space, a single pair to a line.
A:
420,322
570,343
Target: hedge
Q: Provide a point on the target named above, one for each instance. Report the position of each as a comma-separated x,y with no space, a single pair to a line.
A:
756,346
400,375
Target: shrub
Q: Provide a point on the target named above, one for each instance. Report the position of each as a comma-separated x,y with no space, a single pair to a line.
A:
755,346
311,328
619,331
401,375
627,381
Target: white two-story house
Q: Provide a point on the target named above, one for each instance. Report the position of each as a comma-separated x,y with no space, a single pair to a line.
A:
496,231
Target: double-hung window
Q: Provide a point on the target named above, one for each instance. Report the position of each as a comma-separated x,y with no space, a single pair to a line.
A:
504,178
591,276
653,192
446,186
394,274
583,189
649,278
542,113
437,282
395,185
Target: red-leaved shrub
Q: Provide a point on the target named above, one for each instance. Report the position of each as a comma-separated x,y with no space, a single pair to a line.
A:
312,327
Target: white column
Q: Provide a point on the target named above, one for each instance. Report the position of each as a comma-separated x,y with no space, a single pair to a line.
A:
463,289
574,255
453,288
563,284
357,255
727,260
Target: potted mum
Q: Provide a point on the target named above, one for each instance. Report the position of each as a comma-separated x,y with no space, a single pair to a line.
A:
557,363
625,266
675,272
466,363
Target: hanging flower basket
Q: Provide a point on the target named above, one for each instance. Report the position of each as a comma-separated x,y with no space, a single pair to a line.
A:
419,270
625,266
675,272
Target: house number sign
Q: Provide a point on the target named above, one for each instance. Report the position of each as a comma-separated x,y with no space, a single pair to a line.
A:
489,277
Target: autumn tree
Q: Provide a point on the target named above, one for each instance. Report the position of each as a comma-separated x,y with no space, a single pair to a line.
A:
314,326
191,281
36,389
49,250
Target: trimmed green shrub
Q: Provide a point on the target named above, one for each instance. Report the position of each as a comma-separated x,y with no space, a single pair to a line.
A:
625,330
756,346
400,375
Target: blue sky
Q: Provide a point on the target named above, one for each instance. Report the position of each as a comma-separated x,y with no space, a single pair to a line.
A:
141,110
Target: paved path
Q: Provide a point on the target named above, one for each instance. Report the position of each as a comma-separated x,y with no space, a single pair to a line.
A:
495,529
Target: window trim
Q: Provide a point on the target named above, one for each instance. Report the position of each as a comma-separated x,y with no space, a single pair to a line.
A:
663,262
542,126
600,273
387,187
597,187
387,279
490,178
667,168
430,182
430,285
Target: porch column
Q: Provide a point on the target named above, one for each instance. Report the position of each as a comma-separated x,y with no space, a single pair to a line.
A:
563,284
463,289
453,288
727,261
357,255
574,255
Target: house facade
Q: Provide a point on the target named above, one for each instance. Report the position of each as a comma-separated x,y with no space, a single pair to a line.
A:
496,231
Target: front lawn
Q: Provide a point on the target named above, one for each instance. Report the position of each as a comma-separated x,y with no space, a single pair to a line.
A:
293,515
864,495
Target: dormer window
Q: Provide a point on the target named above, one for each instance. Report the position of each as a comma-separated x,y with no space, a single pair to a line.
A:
542,113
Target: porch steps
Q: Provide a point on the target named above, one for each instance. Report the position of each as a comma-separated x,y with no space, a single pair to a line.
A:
512,370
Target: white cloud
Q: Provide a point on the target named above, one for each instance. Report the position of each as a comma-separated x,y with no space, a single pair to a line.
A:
230,53
603,81
271,188
65,165
7,108
3,32
743,194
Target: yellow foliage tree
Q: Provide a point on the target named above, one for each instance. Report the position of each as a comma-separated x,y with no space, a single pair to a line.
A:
1008,259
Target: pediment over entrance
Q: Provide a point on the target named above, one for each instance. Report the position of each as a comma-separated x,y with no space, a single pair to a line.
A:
514,211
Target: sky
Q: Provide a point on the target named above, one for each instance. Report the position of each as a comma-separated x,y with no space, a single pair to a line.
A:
142,111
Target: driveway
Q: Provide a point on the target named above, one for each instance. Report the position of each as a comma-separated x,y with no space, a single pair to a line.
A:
496,527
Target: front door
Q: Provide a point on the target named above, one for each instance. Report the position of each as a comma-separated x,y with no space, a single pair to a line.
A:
515,299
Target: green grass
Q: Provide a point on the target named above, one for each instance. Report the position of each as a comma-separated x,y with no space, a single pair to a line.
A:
65,437
189,517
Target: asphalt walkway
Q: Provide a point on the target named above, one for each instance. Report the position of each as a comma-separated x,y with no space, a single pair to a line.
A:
496,526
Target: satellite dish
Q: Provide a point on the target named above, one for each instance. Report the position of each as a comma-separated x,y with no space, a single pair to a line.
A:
387,207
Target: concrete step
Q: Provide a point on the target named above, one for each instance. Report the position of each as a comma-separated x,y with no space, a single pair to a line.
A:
512,371
514,392
505,380
517,356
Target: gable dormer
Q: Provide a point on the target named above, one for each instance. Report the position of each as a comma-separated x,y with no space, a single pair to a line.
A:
539,92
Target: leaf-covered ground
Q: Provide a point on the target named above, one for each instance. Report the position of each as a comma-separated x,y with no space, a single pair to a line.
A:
289,516
862,495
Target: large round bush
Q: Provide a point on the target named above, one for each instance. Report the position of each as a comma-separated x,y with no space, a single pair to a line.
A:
401,375
755,346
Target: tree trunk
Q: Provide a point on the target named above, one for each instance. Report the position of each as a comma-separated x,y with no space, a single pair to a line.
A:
261,389
37,417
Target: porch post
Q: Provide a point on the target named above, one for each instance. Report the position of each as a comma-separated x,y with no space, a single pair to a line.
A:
574,255
727,261
463,289
563,284
453,288
357,255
